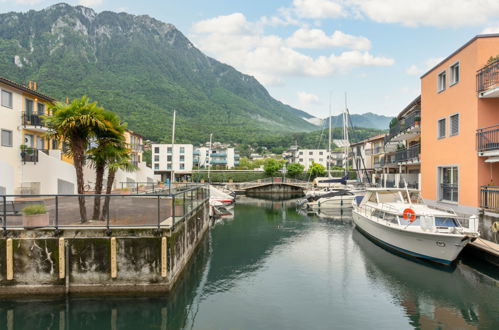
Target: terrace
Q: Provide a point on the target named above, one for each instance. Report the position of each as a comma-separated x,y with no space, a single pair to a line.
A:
487,80
487,143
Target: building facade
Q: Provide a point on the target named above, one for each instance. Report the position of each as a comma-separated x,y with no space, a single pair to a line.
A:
460,121
219,157
177,158
306,157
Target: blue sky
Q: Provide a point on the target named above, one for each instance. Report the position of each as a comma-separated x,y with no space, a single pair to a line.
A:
303,50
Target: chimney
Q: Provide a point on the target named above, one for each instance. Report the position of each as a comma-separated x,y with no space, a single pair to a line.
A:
67,100
34,85
30,85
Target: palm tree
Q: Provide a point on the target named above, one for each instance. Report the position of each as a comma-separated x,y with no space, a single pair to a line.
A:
119,160
108,140
75,124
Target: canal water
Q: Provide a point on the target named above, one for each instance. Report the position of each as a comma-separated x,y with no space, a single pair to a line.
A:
272,268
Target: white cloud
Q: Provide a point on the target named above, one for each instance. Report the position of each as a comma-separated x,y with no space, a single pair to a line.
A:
316,38
417,70
318,9
491,30
243,44
90,3
441,13
24,2
307,99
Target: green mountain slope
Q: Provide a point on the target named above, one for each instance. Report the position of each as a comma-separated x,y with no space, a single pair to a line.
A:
365,120
142,69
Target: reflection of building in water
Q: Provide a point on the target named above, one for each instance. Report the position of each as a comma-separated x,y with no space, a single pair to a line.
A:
432,297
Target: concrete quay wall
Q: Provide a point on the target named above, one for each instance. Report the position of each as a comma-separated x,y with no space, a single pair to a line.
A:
89,260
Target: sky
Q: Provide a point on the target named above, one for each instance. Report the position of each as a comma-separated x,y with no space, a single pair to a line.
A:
313,53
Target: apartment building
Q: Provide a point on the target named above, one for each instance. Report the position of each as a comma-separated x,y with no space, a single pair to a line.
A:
403,147
177,158
220,157
29,162
460,135
306,157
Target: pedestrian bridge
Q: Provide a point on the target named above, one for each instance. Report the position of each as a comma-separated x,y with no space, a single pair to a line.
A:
271,185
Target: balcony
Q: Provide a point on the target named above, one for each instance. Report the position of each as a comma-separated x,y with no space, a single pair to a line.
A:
219,154
407,128
487,80
218,162
408,155
34,122
487,142
379,162
29,155
489,198
378,150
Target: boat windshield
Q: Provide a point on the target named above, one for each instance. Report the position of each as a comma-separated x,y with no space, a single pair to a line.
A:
445,222
404,222
389,197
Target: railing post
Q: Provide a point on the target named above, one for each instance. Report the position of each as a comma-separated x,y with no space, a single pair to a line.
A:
4,214
159,216
173,212
57,212
108,229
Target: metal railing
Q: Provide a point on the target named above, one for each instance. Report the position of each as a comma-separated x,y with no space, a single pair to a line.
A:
116,211
29,155
489,198
155,187
33,119
404,124
487,77
487,138
408,154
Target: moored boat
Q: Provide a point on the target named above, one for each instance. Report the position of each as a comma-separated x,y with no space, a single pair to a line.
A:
397,219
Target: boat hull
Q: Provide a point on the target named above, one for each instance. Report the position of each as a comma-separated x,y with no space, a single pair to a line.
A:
336,202
442,249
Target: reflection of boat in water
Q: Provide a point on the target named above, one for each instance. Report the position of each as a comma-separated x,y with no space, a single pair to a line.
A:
339,214
219,196
433,296
392,219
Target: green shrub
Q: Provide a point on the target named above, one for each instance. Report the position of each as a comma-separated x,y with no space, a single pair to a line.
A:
34,209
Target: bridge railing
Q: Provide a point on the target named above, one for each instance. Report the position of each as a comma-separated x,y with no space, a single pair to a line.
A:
272,180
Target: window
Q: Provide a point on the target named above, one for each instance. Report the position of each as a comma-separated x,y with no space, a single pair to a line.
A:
441,128
6,138
321,153
301,152
169,150
156,150
182,158
41,109
449,184
442,80
169,158
454,74
310,153
156,166
29,107
321,160
301,160
182,166
182,150
156,158
454,124
169,166
6,99
40,143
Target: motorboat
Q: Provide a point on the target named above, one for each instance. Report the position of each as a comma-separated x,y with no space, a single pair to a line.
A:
218,196
334,199
399,220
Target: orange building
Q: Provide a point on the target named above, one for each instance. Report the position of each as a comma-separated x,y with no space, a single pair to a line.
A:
460,128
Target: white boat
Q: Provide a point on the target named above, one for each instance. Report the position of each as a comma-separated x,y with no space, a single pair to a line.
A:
393,218
218,196
334,199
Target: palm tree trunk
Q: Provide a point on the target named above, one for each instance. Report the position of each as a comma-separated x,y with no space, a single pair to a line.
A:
109,187
99,176
79,160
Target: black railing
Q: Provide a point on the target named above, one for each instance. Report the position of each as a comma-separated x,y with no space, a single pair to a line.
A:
487,138
449,192
29,155
404,124
161,211
489,198
33,119
155,187
408,154
487,77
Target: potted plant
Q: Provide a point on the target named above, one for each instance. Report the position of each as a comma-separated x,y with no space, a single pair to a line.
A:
35,215
417,121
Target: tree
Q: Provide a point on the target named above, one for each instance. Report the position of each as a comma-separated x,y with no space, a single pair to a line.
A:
294,169
75,124
272,166
107,141
118,160
316,170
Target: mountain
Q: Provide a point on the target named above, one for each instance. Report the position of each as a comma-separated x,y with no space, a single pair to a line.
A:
142,69
366,120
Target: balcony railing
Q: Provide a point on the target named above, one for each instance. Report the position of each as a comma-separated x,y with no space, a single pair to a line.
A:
33,119
404,124
487,138
29,155
489,198
378,150
408,154
487,77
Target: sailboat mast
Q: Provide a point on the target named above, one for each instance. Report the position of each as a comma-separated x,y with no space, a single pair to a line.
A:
209,158
345,134
329,141
172,177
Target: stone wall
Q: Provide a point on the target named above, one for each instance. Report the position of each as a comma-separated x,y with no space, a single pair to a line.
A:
88,260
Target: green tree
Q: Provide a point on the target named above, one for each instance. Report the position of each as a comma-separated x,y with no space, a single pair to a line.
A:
107,141
316,170
147,157
75,124
294,169
272,166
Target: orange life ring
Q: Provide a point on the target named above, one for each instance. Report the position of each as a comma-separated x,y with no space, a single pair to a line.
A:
409,214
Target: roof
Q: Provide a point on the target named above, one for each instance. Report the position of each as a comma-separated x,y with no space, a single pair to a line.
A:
492,35
26,89
409,107
376,137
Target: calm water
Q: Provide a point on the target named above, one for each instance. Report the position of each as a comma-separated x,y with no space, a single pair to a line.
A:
272,268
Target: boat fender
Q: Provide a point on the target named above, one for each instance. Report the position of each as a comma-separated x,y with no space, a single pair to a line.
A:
409,214
495,227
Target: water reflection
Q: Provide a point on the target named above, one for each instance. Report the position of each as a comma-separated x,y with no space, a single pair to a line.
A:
433,297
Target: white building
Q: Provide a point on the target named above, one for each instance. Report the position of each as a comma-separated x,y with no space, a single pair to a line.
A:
305,157
219,157
177,158
29,162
